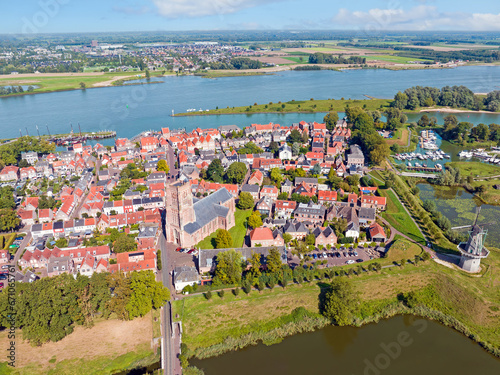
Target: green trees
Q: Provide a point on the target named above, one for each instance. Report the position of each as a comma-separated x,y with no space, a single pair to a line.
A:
250,148
276,176
215,171
331,119
295,137
273,261
236,172
7,198
8,220
124,243
146,293
48,309
245,201
254,220
163,166
254,272
341,302
223,239
229,268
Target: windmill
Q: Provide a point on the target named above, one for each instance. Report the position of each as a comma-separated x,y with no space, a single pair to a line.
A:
473,250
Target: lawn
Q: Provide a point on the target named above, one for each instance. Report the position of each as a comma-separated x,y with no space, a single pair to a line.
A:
305,59
402,249
237,232
393,58
400,137
399,218
475,169
298,106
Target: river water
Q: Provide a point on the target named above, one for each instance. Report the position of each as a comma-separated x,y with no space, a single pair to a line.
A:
130,109
401,345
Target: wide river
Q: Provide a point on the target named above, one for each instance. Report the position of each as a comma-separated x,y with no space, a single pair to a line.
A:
401,345
131,109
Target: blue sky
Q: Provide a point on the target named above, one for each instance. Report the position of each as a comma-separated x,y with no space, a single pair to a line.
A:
31,16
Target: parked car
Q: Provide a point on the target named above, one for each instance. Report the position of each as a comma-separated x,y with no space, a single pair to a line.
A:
5,267
315,256
359,260
324,255
337,254
3,277
355,253
178,249
19,238
345,254
1,285
350,261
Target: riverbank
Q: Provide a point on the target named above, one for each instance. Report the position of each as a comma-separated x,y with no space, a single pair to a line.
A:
297,106
59,82
454,298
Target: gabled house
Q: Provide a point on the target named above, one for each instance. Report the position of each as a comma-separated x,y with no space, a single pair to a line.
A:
324,236
265,237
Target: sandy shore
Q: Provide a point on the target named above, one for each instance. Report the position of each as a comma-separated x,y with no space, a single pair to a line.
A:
454,110
110,82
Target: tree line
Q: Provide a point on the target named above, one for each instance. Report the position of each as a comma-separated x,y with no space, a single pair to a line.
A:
326,58
48,309
448,96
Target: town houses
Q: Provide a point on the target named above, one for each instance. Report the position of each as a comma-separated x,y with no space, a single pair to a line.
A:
89,192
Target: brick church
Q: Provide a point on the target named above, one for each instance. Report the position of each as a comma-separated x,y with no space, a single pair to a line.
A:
189,220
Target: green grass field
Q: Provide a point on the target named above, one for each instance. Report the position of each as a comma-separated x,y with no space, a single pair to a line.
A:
295,59
393,58
475,169
61,83
306,106
237,232
398,217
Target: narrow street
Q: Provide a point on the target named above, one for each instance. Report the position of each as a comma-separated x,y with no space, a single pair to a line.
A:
170,362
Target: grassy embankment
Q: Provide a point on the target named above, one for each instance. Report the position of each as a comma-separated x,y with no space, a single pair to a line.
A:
237,232
298,106
398,217
470,304
52,83
110,346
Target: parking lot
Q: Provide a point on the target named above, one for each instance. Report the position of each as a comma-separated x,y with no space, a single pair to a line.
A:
341,257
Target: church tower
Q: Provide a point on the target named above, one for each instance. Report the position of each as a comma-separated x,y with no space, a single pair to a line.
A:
179,210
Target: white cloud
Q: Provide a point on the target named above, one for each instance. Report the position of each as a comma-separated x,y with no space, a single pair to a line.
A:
422,17
199,8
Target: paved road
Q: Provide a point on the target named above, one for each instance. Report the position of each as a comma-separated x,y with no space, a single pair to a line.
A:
169,355
21,247
171,159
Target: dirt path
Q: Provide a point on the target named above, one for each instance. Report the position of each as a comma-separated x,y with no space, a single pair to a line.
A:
110,82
